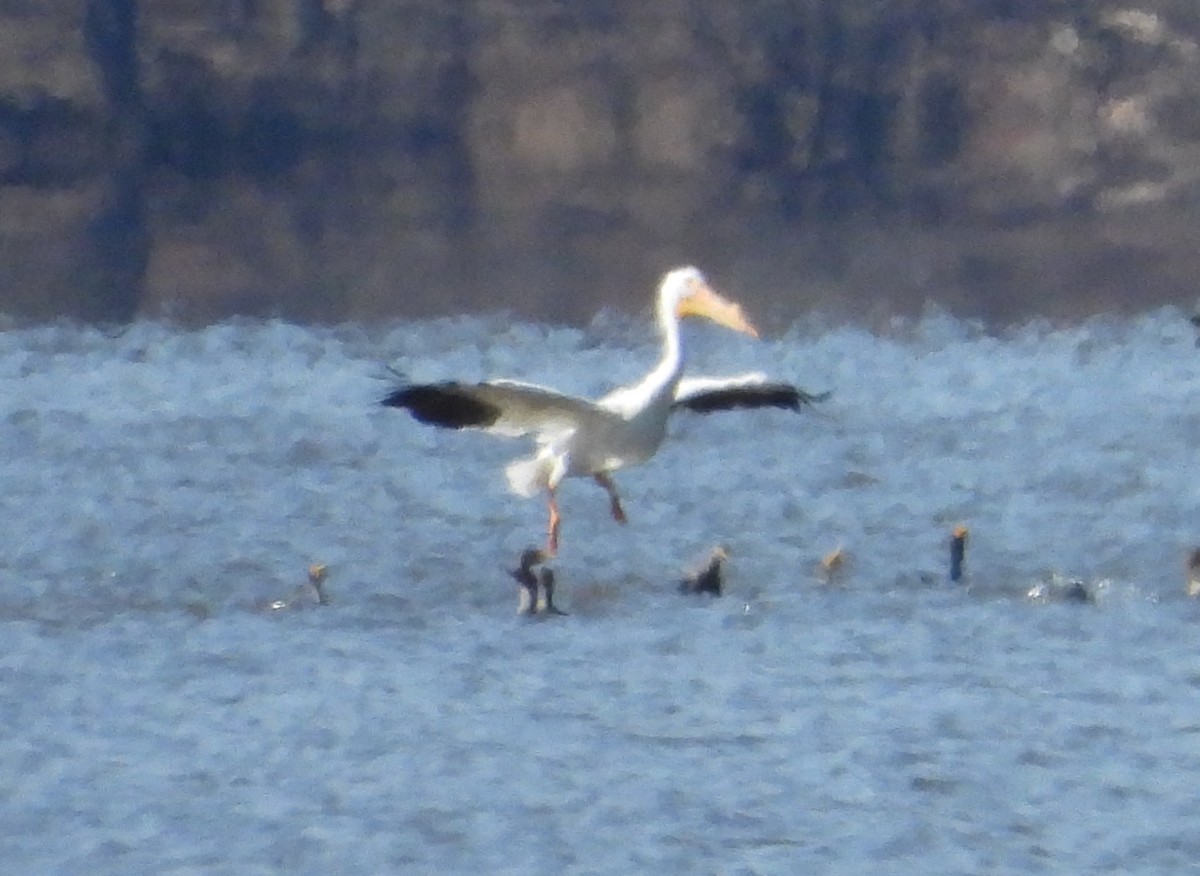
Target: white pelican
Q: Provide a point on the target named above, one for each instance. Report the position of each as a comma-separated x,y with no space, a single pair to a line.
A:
577,437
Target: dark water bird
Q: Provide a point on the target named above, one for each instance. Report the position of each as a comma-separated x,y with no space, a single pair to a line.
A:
1077,591
536,595
1193,573
545,603
708,578
311,592
577,437
832,567
1060,589
527,580
958,552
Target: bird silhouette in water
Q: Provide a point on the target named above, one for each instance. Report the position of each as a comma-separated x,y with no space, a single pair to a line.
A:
536,596
707,579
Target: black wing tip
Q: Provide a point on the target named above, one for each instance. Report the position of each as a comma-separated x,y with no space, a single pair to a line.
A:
811,398
777,395
793,398
397,398
451,405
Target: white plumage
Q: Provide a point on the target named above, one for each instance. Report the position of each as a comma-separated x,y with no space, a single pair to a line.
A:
576,437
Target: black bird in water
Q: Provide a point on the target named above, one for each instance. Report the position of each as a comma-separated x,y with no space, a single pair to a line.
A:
708,578
310,593
1060,589
537,589
958,552
545,603
1193,573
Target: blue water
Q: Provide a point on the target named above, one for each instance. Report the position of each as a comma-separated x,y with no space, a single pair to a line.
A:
162,486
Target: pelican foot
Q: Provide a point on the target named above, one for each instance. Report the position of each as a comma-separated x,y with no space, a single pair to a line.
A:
614,501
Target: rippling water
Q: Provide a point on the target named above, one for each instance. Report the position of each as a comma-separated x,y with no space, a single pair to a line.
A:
163,486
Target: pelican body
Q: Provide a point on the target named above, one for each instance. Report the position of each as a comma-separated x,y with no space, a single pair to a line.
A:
581,438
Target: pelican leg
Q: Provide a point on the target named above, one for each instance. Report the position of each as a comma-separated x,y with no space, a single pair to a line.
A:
555,524
605,481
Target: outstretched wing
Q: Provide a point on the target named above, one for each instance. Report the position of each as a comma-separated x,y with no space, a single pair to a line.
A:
503,407
754,390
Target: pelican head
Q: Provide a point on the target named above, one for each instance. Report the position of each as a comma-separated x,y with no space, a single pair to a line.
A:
685,292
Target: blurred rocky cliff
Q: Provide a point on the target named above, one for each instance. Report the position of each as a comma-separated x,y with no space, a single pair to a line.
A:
340,159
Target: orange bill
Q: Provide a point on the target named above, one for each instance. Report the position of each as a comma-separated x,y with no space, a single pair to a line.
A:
701,300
